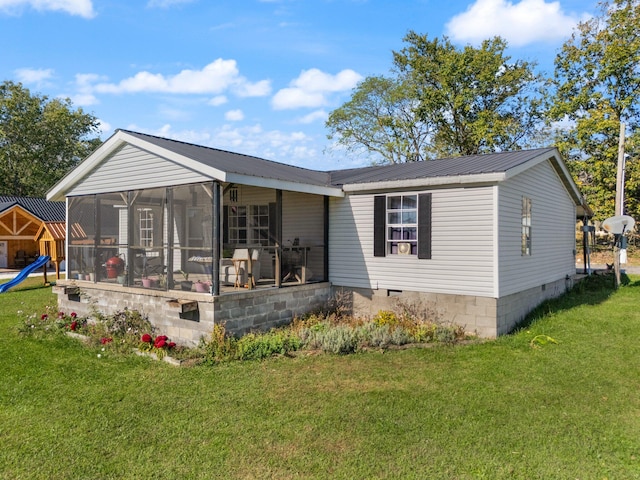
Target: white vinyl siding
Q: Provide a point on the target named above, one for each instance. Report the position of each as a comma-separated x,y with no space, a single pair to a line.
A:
462,246
131,168
552,230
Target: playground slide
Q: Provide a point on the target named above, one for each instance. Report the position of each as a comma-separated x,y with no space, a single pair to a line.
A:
24,273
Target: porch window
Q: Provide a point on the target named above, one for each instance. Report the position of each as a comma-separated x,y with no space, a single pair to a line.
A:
146,227
248,224
526,226
402,225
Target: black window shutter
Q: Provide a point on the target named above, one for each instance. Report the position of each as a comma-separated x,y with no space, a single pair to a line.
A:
424,225
225,225
379,225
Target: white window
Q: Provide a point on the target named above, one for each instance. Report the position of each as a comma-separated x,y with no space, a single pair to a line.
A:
526,226
237,224
402,224
146,227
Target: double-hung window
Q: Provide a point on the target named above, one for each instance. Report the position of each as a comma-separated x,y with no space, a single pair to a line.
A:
402,225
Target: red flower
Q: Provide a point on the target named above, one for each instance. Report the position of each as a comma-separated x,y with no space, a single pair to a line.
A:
74,314
44,316
60,314
171,345
73,325
105,340
162,337
160,342
146,338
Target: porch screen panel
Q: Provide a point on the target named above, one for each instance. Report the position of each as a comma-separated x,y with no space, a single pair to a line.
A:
149,243
111,235
82,236
192,232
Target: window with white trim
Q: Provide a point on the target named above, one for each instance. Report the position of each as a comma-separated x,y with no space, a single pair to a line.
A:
146,227
402,224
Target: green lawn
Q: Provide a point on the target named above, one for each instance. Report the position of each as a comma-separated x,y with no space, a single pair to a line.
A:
499,409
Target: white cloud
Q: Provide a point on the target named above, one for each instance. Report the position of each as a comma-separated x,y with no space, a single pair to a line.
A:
82,8
312,88
33,75
218,100
234,115
520,23
313,116
293,148
216,77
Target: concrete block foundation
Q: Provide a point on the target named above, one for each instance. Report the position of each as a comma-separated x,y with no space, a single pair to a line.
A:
485,316
186,317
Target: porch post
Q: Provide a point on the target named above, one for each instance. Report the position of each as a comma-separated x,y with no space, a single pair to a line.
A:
130,232
96,238
278,230
170,238
326,239
215,238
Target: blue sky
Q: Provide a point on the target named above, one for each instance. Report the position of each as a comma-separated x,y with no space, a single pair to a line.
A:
252,76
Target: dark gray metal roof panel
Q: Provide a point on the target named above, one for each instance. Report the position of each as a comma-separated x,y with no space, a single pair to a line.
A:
447,167
39,207
237,163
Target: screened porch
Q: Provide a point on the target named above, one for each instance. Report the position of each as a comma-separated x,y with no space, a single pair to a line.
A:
209,237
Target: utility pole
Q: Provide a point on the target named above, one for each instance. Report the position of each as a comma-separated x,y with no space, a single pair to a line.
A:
619,209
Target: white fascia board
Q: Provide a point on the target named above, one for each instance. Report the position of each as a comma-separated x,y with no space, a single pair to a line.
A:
425,182
284,185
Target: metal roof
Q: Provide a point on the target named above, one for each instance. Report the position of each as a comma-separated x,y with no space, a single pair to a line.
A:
38,207
236,162
448,167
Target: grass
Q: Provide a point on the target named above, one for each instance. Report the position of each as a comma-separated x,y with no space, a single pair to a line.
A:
498,410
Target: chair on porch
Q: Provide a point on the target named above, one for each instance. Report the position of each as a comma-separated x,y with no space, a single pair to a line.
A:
20,260
235,270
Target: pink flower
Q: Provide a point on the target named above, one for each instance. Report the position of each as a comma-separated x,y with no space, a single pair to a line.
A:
146,338
74,314
60,314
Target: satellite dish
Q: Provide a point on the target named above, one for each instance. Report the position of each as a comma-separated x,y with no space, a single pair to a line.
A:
404,248
618,225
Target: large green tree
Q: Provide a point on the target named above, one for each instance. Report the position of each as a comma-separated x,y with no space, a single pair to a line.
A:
597,77
442,101
41,139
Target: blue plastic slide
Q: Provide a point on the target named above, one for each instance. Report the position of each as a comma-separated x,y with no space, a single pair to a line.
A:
24,273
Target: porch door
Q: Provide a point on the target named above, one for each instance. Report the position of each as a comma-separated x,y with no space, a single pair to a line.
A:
3,254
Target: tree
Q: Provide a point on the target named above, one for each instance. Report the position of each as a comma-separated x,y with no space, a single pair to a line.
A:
381,119
443,101
597,76
41,139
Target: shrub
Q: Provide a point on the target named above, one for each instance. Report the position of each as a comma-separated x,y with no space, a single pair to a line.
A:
220,347
386,317
258,346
